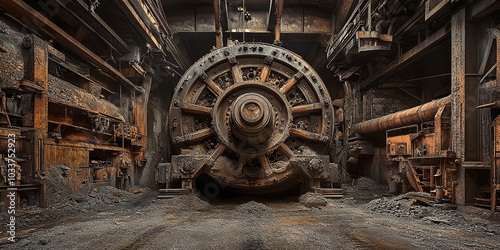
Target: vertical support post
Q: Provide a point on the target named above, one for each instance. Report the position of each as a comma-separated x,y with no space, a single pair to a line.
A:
458,97
141,115
498,62
36,71
277,30
218,31
348,121
464,88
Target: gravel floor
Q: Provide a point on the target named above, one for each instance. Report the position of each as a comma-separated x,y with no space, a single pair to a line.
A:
188,222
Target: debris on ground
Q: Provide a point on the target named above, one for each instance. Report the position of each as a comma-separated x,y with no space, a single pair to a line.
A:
57,185
364,188
252,207
426,198
90,198
97,195
310,200
410,206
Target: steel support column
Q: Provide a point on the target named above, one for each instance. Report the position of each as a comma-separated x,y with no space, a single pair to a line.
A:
458,97
279,10
464,96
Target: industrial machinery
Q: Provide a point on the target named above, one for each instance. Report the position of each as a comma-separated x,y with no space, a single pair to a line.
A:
418,140
253,117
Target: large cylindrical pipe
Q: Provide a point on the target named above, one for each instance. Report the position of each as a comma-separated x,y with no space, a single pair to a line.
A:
422,113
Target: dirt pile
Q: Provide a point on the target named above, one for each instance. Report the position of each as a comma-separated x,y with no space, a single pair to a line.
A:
401,206
310,199
185,203
364,188
252,207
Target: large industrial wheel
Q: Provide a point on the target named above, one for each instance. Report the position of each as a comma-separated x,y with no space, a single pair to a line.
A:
245,114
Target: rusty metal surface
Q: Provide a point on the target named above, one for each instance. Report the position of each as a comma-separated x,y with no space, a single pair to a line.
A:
411,116
244,113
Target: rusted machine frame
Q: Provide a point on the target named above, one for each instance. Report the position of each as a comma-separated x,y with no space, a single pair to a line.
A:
405,154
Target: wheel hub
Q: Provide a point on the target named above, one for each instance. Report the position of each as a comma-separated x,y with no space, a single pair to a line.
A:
251,118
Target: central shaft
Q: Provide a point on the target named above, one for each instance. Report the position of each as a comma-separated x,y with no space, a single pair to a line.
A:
251,118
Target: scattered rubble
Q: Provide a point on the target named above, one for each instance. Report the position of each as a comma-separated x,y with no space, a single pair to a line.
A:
310,200
98,195
406,205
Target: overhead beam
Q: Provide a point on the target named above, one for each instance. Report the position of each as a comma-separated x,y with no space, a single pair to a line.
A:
482,8
29,16
177,52
80,9
410,56
138,23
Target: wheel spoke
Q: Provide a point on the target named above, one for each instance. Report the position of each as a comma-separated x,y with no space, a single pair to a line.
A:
308,135
286,150
196,136
237,76
306,109
211,85
241,162
220,149
195,109
291,82
264,163
265,73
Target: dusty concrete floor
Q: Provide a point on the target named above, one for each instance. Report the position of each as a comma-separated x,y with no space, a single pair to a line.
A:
241,223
